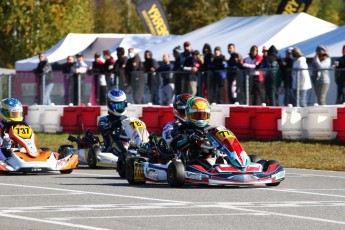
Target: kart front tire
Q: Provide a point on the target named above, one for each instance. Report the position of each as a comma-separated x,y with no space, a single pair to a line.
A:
121,165
130,173
265,168
254,158
68,171
175,174
92,157
63,151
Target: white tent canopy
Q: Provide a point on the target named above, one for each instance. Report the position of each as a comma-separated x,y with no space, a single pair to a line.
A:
86,44
278,30
334,40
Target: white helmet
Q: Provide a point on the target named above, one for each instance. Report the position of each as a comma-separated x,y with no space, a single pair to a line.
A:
116,102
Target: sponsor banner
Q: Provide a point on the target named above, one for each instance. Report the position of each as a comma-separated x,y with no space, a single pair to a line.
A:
293,6
153,17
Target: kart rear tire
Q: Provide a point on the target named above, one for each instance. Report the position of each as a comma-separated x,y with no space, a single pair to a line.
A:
92,157
130,172
68,171
254,158
268,163
175,174
45,149
121,165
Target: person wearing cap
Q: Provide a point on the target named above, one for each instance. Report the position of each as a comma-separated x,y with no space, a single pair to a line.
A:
177,69
264,51
80,71
301,82
186,77
44,72
339,64
285,66
99,85
321,65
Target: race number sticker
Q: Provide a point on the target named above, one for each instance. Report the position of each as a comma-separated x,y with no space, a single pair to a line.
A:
137,124
23,131
224,134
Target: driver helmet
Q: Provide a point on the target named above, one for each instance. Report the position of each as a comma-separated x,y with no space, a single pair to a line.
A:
198,112
179,104
11,110
116,102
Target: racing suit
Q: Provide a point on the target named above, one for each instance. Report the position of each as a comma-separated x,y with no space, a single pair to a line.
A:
185,140
5,140
111,128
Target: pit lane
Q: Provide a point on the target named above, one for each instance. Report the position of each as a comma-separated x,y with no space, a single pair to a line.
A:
100,199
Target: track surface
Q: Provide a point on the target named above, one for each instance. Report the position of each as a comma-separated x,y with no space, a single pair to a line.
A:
99,199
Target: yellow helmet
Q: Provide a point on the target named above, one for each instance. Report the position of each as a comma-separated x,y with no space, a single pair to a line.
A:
11,110
198,111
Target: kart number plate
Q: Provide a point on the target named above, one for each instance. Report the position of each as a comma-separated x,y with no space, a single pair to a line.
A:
224,134
137,124
23,131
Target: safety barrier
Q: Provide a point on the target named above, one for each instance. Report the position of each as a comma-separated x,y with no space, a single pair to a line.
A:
257,122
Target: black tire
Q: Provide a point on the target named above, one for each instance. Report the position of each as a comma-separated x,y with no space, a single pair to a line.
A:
121,165
92,157
68,171
267,164
45,149
130,172
175,174
254,158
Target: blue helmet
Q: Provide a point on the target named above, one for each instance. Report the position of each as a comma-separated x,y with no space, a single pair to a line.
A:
11,110
117,102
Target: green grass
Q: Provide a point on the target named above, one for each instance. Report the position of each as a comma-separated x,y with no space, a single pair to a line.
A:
323,155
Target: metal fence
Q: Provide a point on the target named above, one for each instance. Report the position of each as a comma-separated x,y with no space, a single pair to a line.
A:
246,87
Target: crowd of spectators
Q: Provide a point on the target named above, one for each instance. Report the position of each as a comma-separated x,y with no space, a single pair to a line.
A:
261,76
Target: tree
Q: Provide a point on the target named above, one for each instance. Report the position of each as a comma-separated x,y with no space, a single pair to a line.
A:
31,26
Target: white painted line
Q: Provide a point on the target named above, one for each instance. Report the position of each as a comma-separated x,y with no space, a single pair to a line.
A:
313,175
94,174
51,222
94,193
302,192
156,216
43,194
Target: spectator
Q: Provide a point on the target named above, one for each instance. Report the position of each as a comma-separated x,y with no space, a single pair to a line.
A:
134,71
218,65
206,72
256,80
235,81
188,76
321,65
264,51
301,82
150,66
340,77
80,71
68,71
109,70
100,85
192,66
285,66
269,65
178,75
119,69
165,73
44,73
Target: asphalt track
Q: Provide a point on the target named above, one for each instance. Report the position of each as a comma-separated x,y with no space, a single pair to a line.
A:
99,199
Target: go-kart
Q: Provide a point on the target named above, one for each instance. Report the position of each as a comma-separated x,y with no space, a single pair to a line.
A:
230,165
91,150
24,156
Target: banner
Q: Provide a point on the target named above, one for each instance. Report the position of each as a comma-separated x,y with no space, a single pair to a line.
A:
153,17
293,6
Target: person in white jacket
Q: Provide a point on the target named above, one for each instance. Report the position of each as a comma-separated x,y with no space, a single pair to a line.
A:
301,82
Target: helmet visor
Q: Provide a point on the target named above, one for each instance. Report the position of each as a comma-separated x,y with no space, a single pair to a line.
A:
117,106
16,114
199,115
